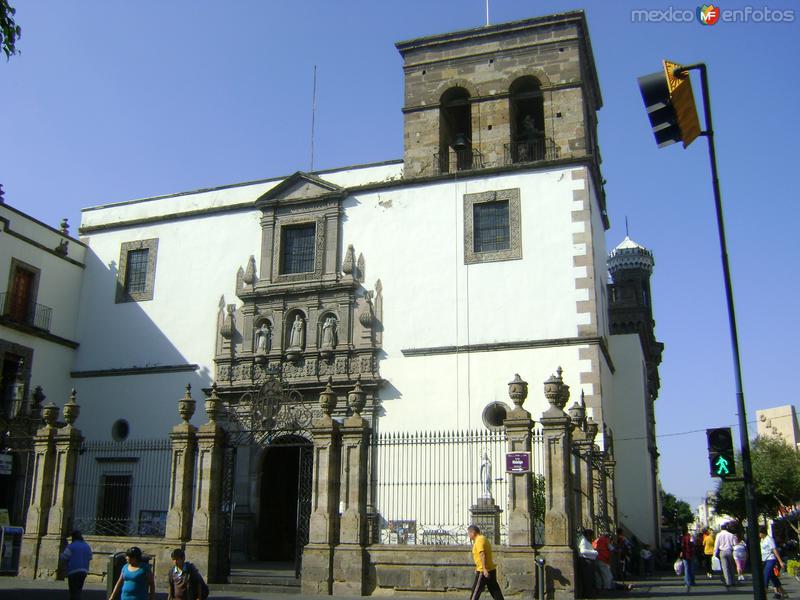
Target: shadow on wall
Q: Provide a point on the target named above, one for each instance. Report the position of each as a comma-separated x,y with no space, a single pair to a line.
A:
123,336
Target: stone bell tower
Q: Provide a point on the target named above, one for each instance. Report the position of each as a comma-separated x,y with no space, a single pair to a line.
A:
500,96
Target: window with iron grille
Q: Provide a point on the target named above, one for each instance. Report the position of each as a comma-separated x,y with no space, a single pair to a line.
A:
297,252
136,272
491,226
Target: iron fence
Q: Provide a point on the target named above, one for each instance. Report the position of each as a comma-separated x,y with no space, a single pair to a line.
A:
531,151
453,160
35,315
426,482
122,489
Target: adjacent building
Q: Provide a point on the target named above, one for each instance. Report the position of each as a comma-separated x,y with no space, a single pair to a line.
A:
42,270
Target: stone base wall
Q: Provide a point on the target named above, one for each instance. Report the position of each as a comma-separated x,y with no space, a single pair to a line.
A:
103,546
444,571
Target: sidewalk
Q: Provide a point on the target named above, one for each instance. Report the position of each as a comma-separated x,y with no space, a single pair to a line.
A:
668,585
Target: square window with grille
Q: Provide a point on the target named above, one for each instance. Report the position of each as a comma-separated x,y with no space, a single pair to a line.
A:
297,248
491,231
136,271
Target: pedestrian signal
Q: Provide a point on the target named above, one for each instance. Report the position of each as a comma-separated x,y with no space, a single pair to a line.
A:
720,452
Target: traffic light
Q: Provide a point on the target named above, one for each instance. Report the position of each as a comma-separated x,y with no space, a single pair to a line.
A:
720,452
670,106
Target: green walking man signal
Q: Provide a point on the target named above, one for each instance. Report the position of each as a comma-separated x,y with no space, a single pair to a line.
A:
720,452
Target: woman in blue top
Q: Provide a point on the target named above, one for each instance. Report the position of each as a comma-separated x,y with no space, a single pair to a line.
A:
136,579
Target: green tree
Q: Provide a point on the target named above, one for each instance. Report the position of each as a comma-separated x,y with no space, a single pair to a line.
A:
776,480
10,32
675,513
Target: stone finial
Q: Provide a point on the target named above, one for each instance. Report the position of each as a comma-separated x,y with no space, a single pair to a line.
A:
249,276
65,226
327,398
591,429
555,391
366,316
577,413
186,404
72,409
357,398
226,330
50,415
518,390
361,268
214,407
349,262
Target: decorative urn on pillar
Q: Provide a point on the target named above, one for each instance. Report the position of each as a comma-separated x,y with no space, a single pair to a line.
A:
327,399
518,390
357,398
71,409
50,415
186,404
214,408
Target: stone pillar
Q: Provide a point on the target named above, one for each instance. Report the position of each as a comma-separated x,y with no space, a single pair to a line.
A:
517,562
486,515
559,530
350,560
181,485
205,547
44,452
59,518
317,574
518,426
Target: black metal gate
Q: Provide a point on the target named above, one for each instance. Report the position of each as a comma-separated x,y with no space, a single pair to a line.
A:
273,415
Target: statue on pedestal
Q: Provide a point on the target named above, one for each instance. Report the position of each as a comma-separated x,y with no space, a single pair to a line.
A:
297,337
486,476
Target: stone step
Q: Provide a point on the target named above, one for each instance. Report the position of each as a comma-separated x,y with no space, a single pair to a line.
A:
263,579
254,588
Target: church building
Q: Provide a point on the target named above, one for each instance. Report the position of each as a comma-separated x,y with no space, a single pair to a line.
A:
429,281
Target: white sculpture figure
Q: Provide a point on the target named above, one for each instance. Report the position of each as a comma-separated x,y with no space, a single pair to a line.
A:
264,342
297,337
486,476
329,337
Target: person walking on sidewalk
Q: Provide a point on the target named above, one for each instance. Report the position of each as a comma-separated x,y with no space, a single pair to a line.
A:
485,569
708,551
740,556
687,556
723,550
77,555
771,558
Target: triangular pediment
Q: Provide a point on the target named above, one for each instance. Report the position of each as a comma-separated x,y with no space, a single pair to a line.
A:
299,187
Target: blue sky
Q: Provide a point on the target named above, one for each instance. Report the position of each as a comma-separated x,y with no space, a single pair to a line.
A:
111,101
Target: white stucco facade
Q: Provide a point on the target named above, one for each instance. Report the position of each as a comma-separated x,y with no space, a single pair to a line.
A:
413,240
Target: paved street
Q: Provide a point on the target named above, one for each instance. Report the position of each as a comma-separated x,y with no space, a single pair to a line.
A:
664,586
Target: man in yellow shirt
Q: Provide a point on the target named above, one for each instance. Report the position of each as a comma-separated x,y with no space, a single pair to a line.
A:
485,569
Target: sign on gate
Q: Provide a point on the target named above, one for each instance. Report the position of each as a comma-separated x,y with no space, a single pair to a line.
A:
518,462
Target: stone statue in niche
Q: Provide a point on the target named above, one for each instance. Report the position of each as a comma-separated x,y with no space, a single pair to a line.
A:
329,333
263,339
486,476
297,336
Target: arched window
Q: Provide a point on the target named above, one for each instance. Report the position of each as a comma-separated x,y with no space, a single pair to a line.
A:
526,112
455,131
